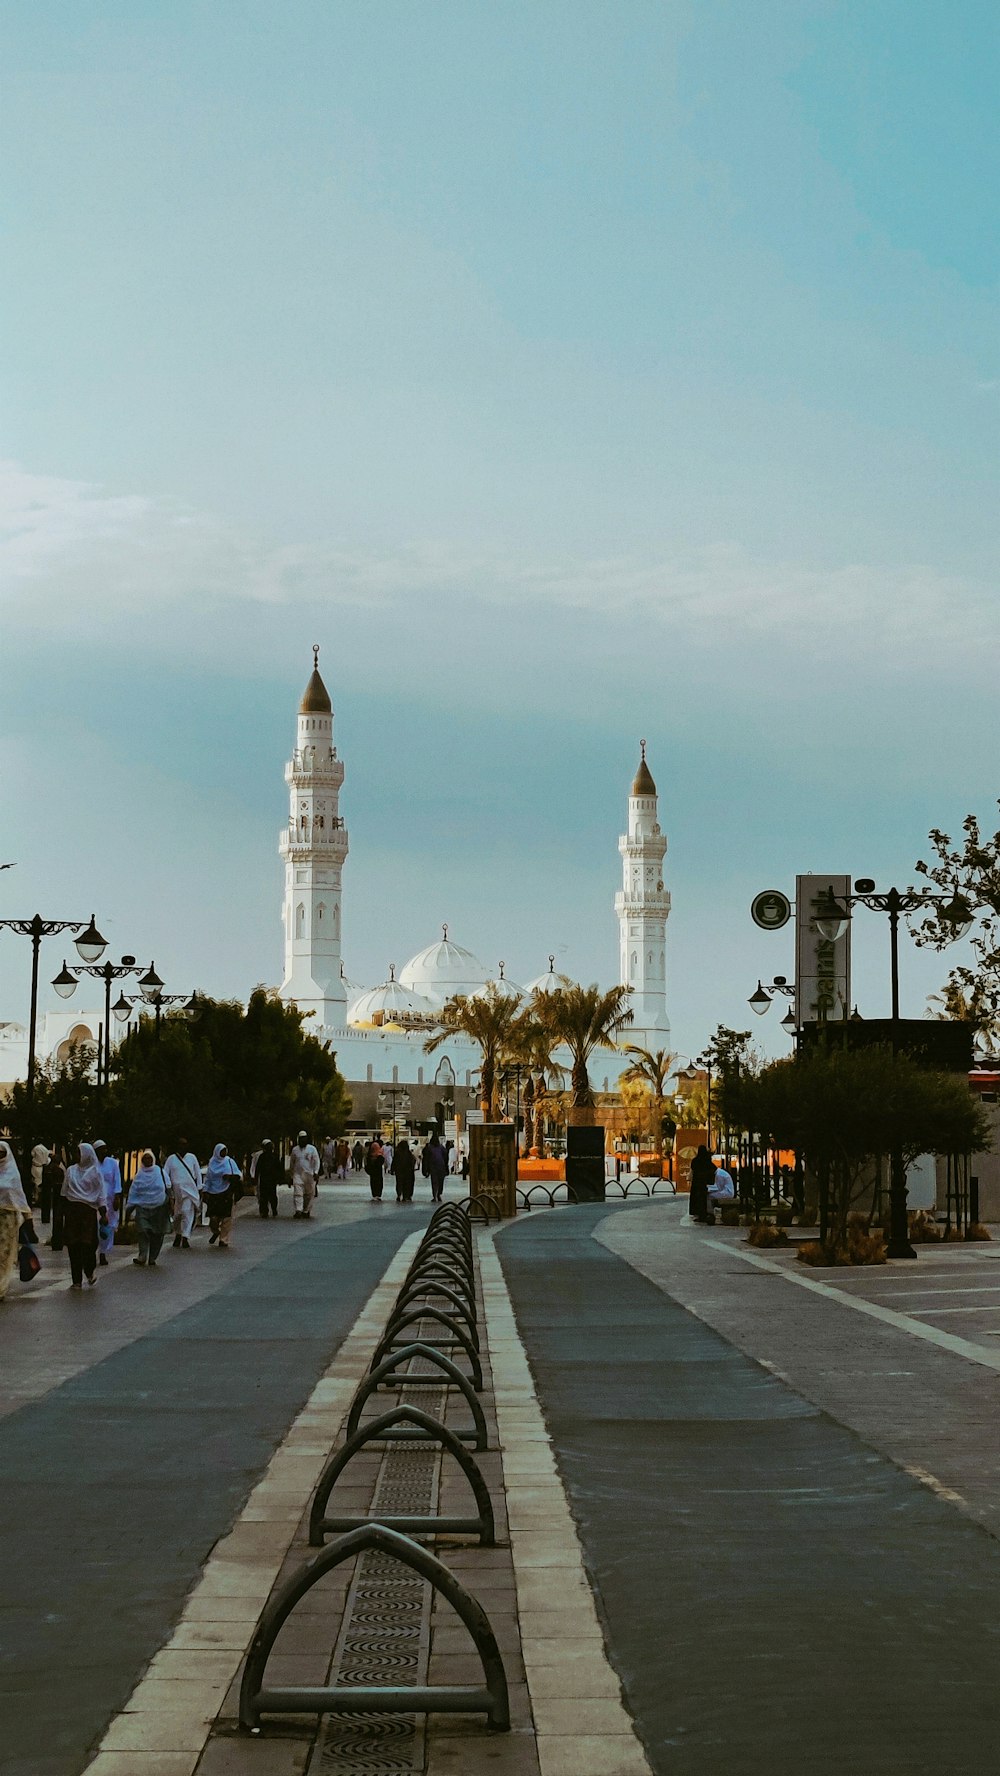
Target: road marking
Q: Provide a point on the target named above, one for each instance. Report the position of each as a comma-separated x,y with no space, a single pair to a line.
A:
981,1307
972,1289
949,1341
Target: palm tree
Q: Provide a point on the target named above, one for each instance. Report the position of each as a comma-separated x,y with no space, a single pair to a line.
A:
651,1067
531,1047
583,1019
488,1019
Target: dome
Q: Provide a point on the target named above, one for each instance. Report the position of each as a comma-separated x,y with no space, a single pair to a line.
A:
315,697
643,784
388,1004
352,990
546,983
443,970
506,989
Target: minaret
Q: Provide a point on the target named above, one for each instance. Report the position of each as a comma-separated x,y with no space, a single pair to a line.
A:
642,906
314,845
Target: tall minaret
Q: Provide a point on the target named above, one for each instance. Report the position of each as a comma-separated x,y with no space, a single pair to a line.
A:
642,906
314,846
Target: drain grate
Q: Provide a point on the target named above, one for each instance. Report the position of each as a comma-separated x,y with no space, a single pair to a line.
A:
385,1635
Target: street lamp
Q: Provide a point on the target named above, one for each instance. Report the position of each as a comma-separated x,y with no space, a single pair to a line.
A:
517,1068
89,945
760,1000
395,1094
65,984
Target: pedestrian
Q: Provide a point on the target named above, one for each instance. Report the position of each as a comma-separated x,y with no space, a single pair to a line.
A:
404,1170
183,1174
388,1149
721,1189
357,1157
14,1211
83,1212
328,1157
268,1174
40,1156
304,1168
342,1157
375,1167
53,1203
221,1180
702,1173
434,1165
111,1173
147,1200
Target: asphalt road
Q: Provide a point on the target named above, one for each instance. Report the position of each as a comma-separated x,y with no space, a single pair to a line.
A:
776,1594
116,1482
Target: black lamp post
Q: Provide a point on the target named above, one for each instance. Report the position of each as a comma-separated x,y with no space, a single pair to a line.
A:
760,1000
396,1093
518,1069
831,921
89,945
66,982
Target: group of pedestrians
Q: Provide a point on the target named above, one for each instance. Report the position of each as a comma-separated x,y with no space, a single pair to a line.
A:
381,1159
712,1187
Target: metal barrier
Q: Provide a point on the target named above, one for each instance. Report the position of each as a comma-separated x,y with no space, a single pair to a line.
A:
476,1432
380,1431
549,1194
490,1698
485,1199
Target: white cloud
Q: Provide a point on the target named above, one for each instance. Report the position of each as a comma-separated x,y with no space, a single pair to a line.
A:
84,556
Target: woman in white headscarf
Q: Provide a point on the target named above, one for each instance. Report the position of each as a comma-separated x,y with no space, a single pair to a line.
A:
13,1210
83,1212
221,1179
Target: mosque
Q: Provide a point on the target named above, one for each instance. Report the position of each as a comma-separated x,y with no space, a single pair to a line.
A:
378,1034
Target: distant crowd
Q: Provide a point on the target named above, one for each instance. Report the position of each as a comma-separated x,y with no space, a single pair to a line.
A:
86,1201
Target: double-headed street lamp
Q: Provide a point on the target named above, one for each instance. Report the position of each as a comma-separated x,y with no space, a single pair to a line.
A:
760,1000
393,1094
66,982
89,945
831,920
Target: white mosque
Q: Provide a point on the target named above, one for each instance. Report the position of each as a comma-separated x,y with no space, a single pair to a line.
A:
378,1034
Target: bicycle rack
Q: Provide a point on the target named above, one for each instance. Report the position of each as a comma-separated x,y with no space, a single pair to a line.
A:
379,1431
459,1342
490,1698
415,1292
485,1200
476,1432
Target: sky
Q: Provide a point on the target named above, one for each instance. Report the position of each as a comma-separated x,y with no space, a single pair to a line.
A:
571,372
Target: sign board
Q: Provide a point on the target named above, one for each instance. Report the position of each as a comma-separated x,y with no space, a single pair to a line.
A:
822,968
451,1131
472,1117
493,1164
771,909
686,1146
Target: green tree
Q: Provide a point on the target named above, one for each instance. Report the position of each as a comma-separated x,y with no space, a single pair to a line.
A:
67,1108
969,869
227,1075
843,1109
583,1019
490,1020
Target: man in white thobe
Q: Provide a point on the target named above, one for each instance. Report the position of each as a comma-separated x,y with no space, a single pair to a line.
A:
112,1175
304,1168
183,1175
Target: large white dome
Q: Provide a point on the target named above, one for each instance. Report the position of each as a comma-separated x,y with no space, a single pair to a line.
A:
443,970
546,983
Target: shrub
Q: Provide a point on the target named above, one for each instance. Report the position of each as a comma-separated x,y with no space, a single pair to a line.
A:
763,1234
977,1232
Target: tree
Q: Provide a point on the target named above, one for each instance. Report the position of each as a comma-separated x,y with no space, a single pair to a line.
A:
971,870
844,1108
583,1019
227,1075
66,1109
488,1019
530,1045
652,1067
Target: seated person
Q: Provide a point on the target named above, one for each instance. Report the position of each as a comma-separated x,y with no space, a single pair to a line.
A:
721,1189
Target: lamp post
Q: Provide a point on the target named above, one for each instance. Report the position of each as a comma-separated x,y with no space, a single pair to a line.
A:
395,1094
760,1000
831,918
89,945
66,982
517,1068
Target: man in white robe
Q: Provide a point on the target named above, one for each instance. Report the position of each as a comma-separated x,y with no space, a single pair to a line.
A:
112,1174
183,1175
304,1168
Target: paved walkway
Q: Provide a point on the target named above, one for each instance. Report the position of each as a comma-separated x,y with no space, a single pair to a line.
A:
777,1594
765,1507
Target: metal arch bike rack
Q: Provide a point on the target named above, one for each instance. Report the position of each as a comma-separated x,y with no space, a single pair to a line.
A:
474,1433
460,1340
417,1291
484,1198
442,1271
636,1181
380,1431
490,1698
444,1249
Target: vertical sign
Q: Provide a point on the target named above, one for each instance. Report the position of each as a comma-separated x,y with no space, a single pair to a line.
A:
822,968
493,1164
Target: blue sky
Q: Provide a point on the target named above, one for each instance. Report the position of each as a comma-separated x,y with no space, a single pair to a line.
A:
572,373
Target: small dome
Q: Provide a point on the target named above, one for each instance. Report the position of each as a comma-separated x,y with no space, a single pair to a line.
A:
388,1004
546,983
443,970
506,989
315,697
643,784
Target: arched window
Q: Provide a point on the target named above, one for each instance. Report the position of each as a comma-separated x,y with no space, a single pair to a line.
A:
395,1075
420,1076
303,821
300,920
321,909
319,820
369,1073
635,961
